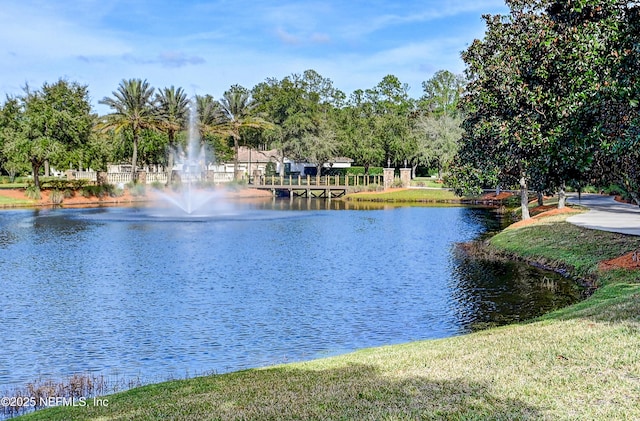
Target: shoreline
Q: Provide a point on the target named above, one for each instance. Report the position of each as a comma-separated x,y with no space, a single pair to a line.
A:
483,249
126,199
16,198
515,371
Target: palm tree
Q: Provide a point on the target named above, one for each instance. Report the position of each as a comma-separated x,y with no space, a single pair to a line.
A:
132,110
237,106
205,118
173,112
207,113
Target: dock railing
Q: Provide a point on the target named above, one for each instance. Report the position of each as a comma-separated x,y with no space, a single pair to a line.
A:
349,180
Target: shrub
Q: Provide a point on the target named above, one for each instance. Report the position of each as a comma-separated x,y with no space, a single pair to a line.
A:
57,183
116,191
78,184
270,169
157,185
108,189
137,190
359,171
102,190
614,190
236,185
87,192
205,184
33,193
56,197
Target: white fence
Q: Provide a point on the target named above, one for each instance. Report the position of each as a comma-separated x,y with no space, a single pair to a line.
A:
220,177
86,175
149,177
155,177
118,177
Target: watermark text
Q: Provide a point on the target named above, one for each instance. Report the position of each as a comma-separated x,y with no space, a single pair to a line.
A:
50,401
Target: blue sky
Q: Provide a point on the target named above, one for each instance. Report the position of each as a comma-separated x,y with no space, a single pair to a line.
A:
206,46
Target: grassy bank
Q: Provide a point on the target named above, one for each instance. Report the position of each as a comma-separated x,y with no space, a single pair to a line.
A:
406,195
582,362
556,243
12,202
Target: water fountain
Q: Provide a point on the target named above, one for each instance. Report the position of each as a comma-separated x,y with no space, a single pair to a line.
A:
190,167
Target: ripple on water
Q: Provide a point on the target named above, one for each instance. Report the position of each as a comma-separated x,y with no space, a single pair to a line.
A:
139,292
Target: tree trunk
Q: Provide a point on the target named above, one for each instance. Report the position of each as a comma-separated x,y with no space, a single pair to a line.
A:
540,198
634,197
282,165
134,159
236,148
47,171
524,199
35,166
169,170
562,197
171,151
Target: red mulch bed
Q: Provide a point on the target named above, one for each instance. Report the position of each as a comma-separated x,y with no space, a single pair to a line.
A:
76,200
541,212
492,196
125,199
628,261
619,198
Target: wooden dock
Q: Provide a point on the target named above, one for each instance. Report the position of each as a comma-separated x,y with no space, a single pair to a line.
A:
326,186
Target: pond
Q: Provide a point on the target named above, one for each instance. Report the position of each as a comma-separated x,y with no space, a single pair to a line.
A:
150,293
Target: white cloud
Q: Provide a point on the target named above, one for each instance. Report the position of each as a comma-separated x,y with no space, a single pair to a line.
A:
166,59
320,38
418,12
28,32
207,47
287,37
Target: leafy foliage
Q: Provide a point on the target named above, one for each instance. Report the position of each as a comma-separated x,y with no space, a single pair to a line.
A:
436,140
45,125
133,111
172,108
544,102
301,110
442,93
236,107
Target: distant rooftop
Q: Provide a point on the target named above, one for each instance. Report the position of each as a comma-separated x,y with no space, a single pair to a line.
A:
246,154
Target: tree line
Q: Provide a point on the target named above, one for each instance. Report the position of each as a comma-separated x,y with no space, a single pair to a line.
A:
303,116
552,99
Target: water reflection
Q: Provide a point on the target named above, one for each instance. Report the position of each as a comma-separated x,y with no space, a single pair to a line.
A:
305,204
491,293
7,238
133,292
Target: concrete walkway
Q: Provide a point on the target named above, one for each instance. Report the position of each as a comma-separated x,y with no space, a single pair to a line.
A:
605,214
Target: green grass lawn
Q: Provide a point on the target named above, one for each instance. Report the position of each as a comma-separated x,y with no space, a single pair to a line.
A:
407,195
555,241
427,182
13,185
578,363
9,202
